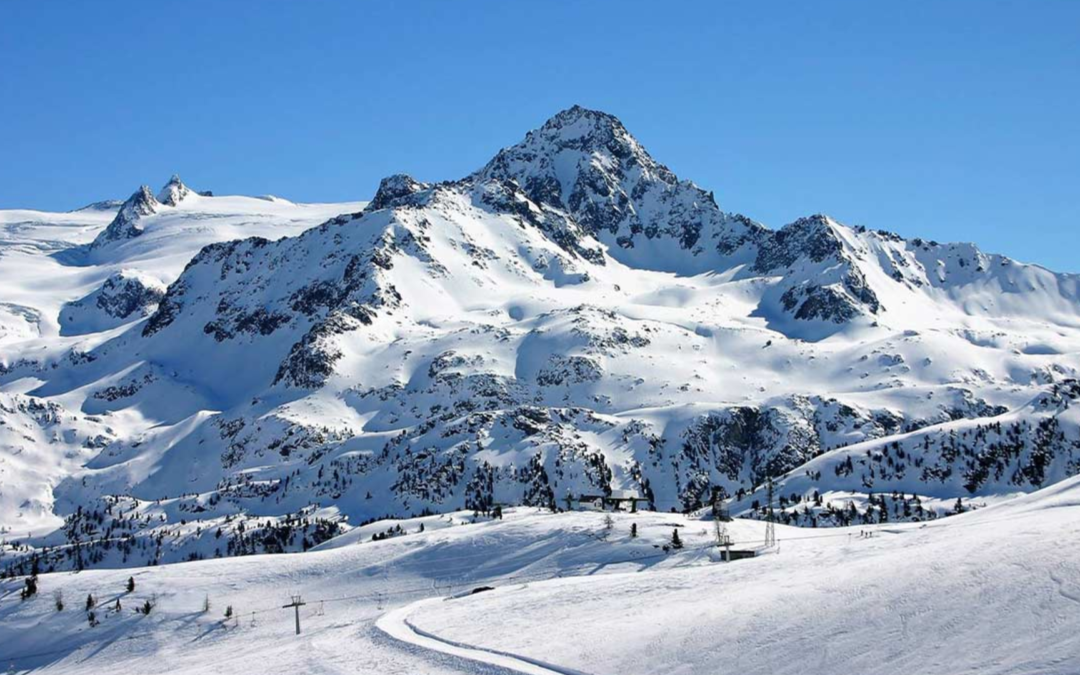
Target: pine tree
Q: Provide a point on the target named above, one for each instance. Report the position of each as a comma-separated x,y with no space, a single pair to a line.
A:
130,584
90,602
676,541
30,589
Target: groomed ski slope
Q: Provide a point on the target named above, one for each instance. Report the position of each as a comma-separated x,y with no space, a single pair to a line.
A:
993,591
356,579
397,625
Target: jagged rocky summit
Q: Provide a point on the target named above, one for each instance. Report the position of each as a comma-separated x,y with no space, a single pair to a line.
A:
128,221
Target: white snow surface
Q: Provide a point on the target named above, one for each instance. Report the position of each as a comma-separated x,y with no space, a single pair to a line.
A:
995,591
992,591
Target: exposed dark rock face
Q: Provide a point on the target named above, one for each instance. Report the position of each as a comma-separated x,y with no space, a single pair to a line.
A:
233,322
126,224
506,196
311,360
567,370
123,296
824,303
816,294
587,165
331,292
810,237
395,191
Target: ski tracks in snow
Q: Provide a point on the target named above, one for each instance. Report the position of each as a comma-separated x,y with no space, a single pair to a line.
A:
1063,589
396,625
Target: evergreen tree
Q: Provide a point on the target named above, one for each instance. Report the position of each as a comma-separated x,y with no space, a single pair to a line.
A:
130,584
676,541
30,589
90,602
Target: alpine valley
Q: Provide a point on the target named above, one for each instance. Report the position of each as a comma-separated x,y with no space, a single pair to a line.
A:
187,375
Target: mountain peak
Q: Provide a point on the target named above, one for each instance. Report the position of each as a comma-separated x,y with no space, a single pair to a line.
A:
584,123
576,149
591,131
173,192
395,188
125,225
585,164
140,203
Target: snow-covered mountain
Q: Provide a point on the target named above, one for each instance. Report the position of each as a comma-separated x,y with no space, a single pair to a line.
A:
570,319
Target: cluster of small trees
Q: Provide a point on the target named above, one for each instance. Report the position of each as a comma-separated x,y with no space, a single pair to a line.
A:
880,508
121,531
91,606
282,536
395,531
1019,454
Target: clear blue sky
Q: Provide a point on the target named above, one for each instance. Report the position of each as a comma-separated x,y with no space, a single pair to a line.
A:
951,120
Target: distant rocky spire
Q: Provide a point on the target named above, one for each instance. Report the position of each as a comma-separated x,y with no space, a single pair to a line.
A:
393,189
173,192
126,223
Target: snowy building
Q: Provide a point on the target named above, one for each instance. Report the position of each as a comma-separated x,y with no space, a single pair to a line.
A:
617,500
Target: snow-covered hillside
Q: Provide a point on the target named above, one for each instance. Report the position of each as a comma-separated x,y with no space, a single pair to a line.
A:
65,290
991,592
994,591
572,318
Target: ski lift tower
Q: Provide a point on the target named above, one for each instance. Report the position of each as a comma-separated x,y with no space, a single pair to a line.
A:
770,519
721,517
